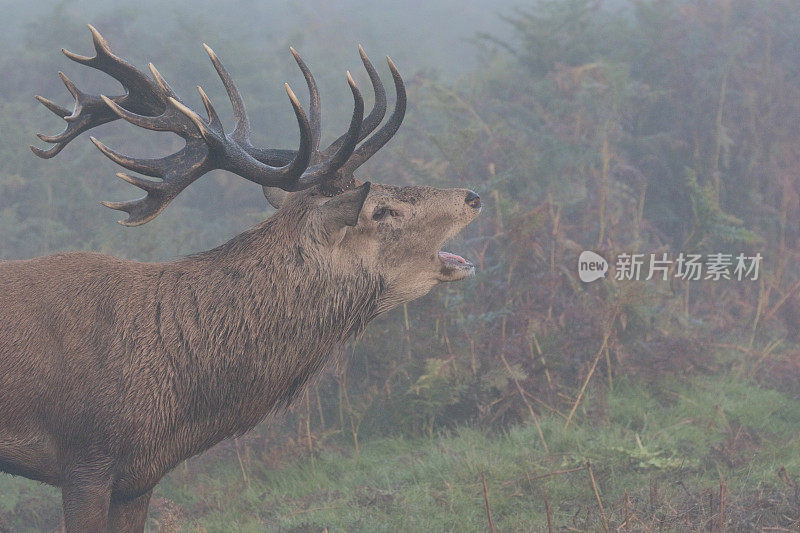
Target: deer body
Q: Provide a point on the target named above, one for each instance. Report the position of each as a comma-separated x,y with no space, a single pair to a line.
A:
148,364
112,371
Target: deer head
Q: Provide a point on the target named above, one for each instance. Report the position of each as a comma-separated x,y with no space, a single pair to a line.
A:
393,232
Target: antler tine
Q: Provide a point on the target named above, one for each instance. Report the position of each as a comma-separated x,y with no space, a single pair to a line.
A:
289,174
160,81
145,185
328,168
52,106
314,105
241,132
156,168
139,86
213,118
387,131
172,119
47,154
378,109
73,90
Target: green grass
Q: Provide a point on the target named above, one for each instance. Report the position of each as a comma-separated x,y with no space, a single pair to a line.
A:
659,450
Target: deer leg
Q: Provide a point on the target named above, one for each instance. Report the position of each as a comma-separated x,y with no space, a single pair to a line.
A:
86,502
129,516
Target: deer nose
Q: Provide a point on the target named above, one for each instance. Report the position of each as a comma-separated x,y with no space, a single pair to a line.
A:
473,200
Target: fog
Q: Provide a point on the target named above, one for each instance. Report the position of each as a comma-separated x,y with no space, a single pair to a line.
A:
538,394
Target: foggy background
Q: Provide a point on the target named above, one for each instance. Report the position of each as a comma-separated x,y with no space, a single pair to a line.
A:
640,126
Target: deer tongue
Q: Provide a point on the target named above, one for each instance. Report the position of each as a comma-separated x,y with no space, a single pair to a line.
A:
447,257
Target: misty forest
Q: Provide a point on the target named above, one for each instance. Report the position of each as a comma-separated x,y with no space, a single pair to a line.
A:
522,399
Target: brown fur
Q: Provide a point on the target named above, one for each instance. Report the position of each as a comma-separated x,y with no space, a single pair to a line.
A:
112,372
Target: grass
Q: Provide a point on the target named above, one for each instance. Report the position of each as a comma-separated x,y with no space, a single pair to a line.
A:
663,457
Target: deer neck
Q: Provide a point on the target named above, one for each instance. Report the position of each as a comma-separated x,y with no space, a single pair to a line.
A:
266,320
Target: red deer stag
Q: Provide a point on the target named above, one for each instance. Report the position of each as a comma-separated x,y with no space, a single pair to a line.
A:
112,372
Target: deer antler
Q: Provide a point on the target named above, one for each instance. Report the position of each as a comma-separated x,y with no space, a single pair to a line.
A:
152,104
141,96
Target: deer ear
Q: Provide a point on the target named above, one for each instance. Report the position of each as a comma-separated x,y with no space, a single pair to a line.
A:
340,212
275,196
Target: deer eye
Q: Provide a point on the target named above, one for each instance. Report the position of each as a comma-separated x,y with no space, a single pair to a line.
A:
382,212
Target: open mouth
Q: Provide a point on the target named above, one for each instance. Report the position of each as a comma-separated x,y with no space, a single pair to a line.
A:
453,263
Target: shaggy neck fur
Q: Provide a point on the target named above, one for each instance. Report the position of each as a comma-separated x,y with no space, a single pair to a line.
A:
254,319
